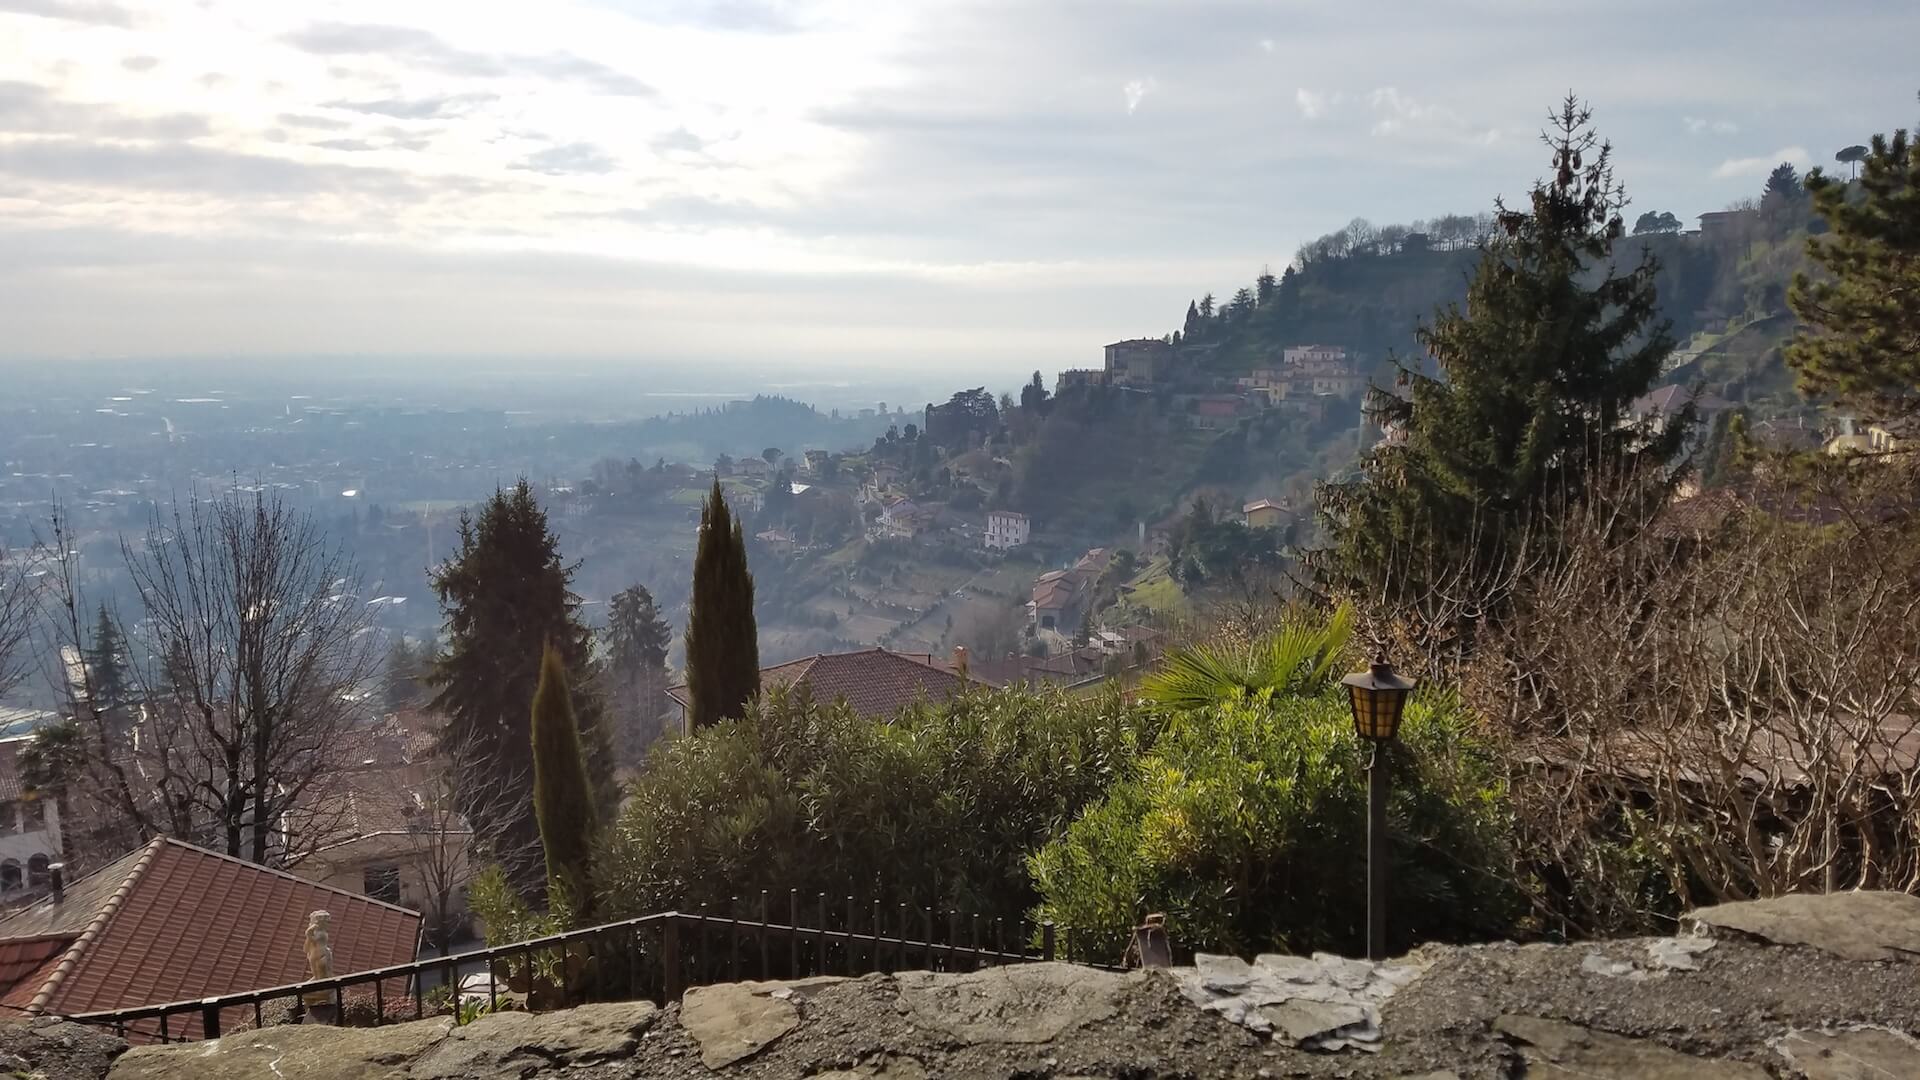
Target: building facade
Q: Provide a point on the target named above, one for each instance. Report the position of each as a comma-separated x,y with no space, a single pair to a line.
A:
1007,529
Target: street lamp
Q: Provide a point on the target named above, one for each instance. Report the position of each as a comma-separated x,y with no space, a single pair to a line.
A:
1378,697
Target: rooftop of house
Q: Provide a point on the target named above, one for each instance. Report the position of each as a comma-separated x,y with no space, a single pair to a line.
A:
874,682
1261,504
169,921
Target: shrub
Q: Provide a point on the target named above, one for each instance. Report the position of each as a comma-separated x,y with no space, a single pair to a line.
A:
937,808
1246,825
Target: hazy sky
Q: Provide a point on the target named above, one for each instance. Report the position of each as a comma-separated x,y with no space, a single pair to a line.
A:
988,186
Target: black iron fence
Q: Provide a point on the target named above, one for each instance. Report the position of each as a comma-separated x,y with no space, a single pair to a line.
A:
654,957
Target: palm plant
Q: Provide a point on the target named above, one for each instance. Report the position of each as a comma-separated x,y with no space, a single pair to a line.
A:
1299,659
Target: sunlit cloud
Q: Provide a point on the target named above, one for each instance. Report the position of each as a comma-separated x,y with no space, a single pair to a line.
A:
1762,165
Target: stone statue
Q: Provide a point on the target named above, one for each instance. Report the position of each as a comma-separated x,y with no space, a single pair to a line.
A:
319,948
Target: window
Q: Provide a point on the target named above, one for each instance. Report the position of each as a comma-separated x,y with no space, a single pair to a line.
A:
37,872
383,883
9,876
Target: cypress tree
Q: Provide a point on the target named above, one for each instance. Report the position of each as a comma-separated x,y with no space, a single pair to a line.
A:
563,799
723,648
1532,399
637,642
506,597
1866,348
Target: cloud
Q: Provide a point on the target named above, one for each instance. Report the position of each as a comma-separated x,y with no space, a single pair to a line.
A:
1699,126
317,123
1313,104
100,12
1135,92
425,108
186,168
427,50
1266,45
349,145
678,140
140,63
26,108
416,46
595,76
572,158
1402,114
1762,165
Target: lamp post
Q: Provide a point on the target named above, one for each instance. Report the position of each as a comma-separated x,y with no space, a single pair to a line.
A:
1378,696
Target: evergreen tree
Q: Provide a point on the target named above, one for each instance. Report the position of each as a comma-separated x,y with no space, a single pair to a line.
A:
1264,287
1865,315
106,660
506,596
637,642
1193,319
562,794
1206,307
1532,398
723,649
1783,182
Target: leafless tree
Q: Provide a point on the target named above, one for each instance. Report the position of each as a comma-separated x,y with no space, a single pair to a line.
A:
258,658
446,848
19,611
1702,711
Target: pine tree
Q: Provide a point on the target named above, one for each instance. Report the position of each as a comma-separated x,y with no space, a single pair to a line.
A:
562,794
1532,403
1193,319
637,642
506,597
1865,346
723,650
106,660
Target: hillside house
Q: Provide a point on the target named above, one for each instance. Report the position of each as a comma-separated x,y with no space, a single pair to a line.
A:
817,461
1059,598
1872,440
1140,362
876,683
904,519
1728,228
29,829
1007,529
1304,359
1264,514
1212,412
1078,377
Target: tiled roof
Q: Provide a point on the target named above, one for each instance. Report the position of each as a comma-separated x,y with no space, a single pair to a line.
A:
10,786
171,922
875,682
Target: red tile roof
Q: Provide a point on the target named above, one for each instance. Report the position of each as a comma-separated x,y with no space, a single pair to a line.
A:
875,682
172,922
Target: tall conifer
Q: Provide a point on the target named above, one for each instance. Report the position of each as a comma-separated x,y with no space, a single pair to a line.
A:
1865,314
1532,398
563,801
506,597
723,650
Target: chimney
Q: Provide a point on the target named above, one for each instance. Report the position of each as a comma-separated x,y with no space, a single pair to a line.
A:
57,877
960,660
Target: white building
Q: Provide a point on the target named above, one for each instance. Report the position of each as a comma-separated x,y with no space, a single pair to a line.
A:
29,829
1315,358
1007,529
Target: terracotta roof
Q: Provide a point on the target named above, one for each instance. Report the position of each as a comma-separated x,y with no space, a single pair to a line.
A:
10,786
875,682
172,922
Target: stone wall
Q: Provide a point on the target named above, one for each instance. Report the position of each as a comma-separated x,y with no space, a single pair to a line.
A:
1822,988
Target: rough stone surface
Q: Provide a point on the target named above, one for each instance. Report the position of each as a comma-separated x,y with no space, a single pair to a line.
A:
1560,1051
56,1050
1853,1054
1023,1003
294,1052
1856,925
733,1021
1730,1007
506,1044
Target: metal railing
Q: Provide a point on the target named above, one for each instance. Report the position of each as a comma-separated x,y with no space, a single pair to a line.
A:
654,957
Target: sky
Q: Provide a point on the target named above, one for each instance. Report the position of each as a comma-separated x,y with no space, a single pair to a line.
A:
822,184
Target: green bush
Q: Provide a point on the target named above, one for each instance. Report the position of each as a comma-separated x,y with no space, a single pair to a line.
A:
1246,826
937,808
